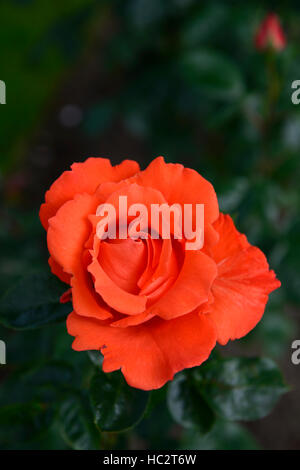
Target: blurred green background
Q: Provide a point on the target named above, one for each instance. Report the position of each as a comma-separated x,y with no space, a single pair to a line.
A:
137,79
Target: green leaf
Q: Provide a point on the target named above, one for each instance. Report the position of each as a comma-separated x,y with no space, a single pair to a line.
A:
240,388
44,382
33,302
76,423
214,73
223,436
50,379
186,404
117,406
23,422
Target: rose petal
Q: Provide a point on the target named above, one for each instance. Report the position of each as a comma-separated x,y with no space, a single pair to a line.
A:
132,320
58,271
166,269
183,186
242,286
86,301
67,234
148,355
83,178
124,261
113,295
191,288
69,229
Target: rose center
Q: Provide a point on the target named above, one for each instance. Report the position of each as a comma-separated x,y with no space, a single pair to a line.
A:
124,261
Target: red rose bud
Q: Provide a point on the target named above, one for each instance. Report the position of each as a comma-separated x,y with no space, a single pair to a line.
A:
270,33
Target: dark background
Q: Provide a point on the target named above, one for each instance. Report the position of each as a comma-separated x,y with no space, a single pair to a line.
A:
137,79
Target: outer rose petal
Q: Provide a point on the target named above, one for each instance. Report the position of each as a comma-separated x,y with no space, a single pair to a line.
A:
183,186
83,178
58,271
69,230
67,234
148,355
242,286
180,184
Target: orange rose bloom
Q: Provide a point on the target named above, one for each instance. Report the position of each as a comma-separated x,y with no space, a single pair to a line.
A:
150,306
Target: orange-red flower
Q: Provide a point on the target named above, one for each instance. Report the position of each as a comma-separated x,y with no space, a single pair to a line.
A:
151,307
270,33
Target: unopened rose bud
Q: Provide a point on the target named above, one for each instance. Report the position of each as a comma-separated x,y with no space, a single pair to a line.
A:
270,33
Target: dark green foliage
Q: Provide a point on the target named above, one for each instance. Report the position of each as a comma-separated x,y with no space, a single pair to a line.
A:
117,406
187,406
231,389
33,302
240,388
